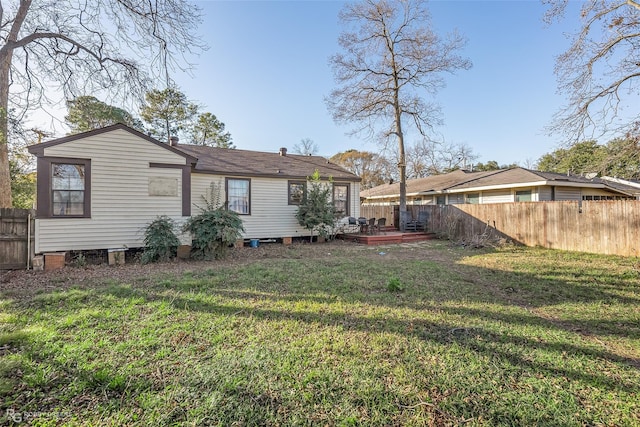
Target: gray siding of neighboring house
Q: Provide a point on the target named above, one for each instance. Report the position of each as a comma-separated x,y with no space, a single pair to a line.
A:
496,196
545,194
455,199
568,193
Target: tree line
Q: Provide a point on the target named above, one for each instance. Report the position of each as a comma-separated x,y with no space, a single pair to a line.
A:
166,113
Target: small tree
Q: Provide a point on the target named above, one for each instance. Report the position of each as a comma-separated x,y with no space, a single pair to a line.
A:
316,211
23,180
86,113
208,130
167,112
160,241
214,229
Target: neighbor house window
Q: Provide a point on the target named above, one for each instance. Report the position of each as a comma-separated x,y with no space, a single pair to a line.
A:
297,191
473,198
441,200
523,196
341,199
238,195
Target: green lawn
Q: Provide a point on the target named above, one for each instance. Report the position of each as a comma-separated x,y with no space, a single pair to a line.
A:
330,334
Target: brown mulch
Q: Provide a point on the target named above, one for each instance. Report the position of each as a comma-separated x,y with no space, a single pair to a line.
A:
28,282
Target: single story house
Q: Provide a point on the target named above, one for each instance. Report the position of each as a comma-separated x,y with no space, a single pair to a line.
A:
501,186
99,189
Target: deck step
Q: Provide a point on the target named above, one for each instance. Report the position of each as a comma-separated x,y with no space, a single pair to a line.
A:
390,237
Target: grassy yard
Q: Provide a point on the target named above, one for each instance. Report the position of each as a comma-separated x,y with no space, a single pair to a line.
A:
328,334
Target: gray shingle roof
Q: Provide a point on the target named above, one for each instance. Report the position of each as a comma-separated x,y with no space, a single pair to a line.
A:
461,180
256,163
426,184
519,176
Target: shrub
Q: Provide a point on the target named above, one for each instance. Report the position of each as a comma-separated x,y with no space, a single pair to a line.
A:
160,241
316,211
213,231
215,228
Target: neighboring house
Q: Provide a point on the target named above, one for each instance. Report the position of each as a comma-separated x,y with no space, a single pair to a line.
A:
501,186
99,189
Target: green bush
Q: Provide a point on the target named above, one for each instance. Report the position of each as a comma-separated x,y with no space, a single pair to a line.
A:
160,241
316,211
213,231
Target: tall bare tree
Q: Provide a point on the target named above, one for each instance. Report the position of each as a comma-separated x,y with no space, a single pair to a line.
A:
50,48
428,157
306,147
391,61
600,72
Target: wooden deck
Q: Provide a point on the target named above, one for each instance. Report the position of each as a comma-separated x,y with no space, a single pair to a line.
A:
387,237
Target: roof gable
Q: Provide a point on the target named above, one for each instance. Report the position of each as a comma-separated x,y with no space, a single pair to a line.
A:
38,149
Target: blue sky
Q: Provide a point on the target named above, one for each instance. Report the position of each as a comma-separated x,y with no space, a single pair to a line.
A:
266,74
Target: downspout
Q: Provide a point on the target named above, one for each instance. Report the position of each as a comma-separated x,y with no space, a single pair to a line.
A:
28,240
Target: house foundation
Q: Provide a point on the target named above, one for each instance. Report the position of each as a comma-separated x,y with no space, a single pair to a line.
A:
116,256
184,251
54,260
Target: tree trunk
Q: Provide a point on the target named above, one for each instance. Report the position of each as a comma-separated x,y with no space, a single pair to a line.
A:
6,55
5,177
402,165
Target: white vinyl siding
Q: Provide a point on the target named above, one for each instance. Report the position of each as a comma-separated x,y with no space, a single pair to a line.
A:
271,214
121,206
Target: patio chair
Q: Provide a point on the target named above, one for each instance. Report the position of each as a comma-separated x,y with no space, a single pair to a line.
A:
353,225
362,222
381,224
407,223
421,222
371,225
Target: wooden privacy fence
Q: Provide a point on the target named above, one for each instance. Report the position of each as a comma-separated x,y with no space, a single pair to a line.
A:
16,238
605,227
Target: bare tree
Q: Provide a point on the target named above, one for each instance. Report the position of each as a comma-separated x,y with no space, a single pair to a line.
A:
391,61
50,48
306,147
371,167
600,72
428,157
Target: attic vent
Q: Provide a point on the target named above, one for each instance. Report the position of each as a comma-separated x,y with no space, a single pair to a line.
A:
283,151
173,141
